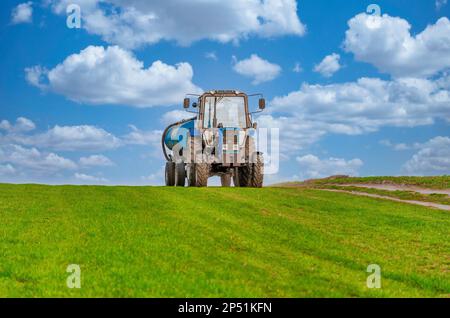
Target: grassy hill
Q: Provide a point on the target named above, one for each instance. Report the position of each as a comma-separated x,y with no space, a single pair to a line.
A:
432,182
214,242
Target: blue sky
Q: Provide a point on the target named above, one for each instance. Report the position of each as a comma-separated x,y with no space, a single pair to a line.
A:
370,95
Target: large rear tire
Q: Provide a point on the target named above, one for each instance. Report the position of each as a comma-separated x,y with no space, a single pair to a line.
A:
201,174
170,174
180,174
197,174
257,175
250,175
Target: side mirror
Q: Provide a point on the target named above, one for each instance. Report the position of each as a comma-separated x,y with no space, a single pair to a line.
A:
186,103
255,126
262,103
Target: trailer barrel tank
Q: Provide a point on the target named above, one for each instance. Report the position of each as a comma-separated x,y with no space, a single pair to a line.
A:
176,133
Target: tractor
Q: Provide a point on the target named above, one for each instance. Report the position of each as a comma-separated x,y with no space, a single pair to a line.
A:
218,141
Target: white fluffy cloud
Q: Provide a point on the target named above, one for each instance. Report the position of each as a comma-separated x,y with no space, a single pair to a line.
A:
134,23
258,69
22,13
314,167
96,161
399,146
432,159
387,43
65,138
353,108
88,179
22,125
33,159
28,155
368,104
73,138
295,134
329,65
211,56
114,76
141,137
175,115
155,178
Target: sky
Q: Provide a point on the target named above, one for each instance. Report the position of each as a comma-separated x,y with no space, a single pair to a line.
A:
355,87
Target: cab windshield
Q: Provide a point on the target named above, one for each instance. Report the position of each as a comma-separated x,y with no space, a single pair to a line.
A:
229,111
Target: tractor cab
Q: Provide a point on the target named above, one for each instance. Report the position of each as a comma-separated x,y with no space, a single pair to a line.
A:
224,109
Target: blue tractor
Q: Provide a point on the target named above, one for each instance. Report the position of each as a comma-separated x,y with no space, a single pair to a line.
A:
218,141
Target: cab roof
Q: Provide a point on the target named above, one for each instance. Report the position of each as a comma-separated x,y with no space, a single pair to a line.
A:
213,92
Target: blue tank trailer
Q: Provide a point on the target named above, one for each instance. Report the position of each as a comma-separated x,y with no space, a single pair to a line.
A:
217,141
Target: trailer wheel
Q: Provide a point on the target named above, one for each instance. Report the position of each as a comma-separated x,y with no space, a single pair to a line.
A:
225,180
180,175
170,174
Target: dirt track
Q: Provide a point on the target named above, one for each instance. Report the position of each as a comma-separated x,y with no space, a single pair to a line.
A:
393,187
427,204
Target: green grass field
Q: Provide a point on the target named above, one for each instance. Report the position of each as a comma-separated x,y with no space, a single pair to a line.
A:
434,182
214,242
